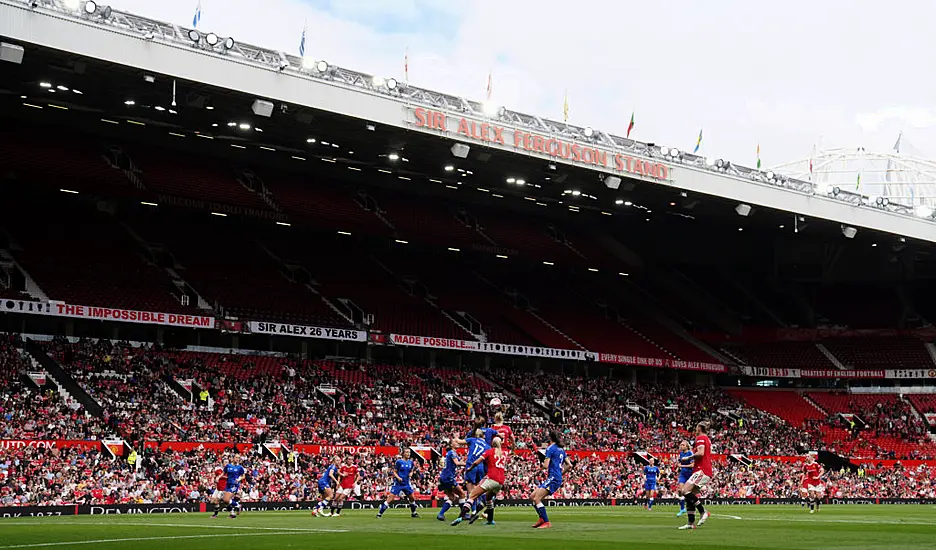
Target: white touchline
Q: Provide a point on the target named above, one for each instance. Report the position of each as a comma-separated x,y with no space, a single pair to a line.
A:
134,539
147,524
726,516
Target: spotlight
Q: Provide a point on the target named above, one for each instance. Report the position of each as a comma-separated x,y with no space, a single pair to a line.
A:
72,4
283,65
664,151
849,232
45,84
90,7
743,209
321,66
923,211
709,161
228,43
612,182
244,126
674,153
521,182
491,109
391,84
511,180
211,38
770,175
619,201
449,168
194,36
882,201
393,156
589,132
378,81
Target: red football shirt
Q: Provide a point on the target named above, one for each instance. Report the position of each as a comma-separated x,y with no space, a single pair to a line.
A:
505,433
222,482
703,463
347,475
495,465
811,471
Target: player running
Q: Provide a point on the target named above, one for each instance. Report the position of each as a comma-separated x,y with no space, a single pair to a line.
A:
685,463
495,459
235,474
218,494
652,471
555,457
477,441
701,475
449,485
326,484
812,482
402,469
348,477
503,430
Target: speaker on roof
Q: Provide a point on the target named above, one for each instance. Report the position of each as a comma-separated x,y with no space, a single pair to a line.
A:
612,182
11,53
460,150
262,108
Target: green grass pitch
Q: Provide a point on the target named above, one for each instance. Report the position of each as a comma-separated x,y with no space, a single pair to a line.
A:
840,526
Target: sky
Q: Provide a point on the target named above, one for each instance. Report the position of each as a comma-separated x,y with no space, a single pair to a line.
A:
789,75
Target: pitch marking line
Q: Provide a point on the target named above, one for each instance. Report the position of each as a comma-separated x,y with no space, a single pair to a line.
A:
829,520
135,539
146,524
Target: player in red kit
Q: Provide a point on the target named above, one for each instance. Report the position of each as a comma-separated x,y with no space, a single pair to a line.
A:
495,459
812,482
701,475
218,493
503,430
348,476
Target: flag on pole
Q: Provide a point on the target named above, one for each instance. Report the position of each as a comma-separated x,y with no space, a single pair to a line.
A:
302,40
631,125
698,142
891,165
406,66
490,85
197,19
758,156
858,183
565,107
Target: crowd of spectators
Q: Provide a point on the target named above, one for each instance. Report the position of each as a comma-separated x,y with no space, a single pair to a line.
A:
76,475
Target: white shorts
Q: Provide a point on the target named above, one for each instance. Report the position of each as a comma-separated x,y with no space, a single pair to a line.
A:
345,492
217,494
815,488
699,479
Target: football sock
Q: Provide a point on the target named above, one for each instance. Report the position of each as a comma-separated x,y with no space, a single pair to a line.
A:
383,508
682,503
445,507
541,510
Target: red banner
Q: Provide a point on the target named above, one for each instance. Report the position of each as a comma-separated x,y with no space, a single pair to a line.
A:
61,309
48,444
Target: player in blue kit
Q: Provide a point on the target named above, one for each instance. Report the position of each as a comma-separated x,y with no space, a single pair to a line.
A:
477,443
448,484
235,474
555,458
402,469
652,471
686,462
326,486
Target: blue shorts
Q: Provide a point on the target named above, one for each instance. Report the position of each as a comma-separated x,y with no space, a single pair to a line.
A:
551,484
446,484
650,486
476,474
323,485
684,477
397,489
232,488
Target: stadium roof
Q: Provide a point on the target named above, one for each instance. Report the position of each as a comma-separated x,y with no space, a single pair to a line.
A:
143,44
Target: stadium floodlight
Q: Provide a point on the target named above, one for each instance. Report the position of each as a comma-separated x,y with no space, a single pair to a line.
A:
882,201
394,156
212,39
194,36
90,7
664,151
521,182
449,168
391,83
511,180
228,43
589,132
674,153
923,211
244,126
321,66
378,81
73,4
45,84
491,109
709,161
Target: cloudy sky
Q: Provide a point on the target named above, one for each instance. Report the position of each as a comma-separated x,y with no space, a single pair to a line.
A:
788,75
